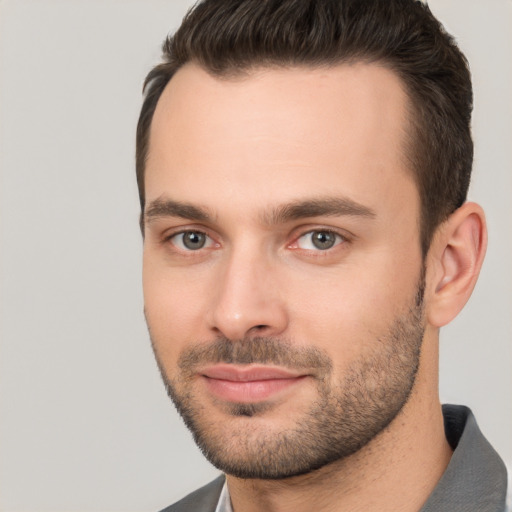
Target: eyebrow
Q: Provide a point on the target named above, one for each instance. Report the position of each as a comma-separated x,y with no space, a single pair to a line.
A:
300,209
318,207
170,208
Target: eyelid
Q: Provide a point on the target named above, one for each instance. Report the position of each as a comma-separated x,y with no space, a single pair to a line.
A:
181,230
342,234
301,231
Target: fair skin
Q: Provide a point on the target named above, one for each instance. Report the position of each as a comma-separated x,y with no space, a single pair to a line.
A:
237,153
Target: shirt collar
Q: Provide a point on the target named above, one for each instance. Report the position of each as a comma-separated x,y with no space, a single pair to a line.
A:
224,503
476,478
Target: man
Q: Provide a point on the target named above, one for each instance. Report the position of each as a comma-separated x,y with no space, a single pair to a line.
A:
303,168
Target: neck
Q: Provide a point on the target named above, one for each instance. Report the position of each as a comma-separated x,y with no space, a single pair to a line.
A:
396,471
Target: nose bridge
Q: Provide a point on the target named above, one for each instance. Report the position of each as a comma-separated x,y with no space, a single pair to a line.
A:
247,300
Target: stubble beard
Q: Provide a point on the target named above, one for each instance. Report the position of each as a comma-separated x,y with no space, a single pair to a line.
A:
345,416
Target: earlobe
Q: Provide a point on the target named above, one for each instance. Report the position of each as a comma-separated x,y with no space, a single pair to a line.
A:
458,253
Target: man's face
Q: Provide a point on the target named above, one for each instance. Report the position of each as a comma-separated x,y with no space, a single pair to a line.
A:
282,265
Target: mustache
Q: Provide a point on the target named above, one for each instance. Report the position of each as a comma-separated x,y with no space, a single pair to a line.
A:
262,350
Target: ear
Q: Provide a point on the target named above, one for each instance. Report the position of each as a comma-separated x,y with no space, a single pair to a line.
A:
455,259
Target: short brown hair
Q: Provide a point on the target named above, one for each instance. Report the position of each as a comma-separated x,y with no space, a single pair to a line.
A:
229,37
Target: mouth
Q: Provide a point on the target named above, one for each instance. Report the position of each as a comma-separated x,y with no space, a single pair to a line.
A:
248,384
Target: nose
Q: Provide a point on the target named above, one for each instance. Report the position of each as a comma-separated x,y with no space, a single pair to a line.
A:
247,300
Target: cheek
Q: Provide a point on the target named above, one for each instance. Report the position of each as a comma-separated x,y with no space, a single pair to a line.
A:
173,308
348,310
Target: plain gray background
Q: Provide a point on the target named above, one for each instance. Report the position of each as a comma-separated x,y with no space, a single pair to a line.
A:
85,422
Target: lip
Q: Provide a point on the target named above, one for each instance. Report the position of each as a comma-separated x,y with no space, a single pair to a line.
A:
245,384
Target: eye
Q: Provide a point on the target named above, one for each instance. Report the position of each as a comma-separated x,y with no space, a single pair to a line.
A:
319,240
191,240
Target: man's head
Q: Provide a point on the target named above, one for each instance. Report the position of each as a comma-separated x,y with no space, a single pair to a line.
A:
231,37
287,192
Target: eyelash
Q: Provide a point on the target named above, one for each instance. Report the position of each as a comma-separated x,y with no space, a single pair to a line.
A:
340,239
169,238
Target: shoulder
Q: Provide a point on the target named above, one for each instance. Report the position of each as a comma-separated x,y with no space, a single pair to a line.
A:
202,500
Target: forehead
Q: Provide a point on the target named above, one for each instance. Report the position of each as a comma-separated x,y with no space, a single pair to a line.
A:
275,133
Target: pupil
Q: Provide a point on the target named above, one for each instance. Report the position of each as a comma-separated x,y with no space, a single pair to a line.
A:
194,240
323,239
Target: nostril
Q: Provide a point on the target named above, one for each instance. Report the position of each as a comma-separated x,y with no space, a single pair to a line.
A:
259,328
